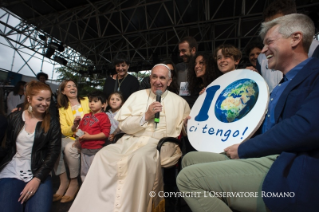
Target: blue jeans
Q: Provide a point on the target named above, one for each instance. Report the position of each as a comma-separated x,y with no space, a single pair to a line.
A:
10,189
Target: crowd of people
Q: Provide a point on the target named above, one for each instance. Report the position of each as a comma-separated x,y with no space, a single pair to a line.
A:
121,175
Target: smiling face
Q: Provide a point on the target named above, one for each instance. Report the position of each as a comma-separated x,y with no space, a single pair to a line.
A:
277,49
185,52
200,66
40,102
159,79
115,102
225,64
121,69
253,55
70,90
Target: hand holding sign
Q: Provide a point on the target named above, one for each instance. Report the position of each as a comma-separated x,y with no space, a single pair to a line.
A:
228,112
232,151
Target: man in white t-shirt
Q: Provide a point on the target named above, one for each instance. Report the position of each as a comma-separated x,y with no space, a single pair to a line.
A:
187,47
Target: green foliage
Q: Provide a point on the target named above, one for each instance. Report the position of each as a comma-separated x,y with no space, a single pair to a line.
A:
86,83
141,75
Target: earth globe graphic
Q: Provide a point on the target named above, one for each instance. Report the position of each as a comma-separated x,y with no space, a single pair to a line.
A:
236,100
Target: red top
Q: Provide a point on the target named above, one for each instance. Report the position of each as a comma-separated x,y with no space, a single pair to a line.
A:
95,124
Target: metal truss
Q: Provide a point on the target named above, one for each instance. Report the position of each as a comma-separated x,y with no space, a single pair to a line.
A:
97,30
23,37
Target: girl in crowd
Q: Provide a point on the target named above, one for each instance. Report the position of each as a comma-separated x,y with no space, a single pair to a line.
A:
124,82
115,102
15,97
227,57
32,147
71,109
204,72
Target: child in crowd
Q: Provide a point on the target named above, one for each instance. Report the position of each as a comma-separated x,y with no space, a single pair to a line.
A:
227,57
115,102
93,130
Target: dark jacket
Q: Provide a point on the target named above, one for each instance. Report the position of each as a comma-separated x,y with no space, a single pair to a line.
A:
129,85
46,147
295,136
3,127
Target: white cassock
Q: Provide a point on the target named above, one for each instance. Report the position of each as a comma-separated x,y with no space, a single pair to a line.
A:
122,175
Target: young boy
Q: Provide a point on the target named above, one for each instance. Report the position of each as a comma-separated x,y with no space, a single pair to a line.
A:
96,128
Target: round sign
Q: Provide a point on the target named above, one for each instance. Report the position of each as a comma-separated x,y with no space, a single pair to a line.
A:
230,111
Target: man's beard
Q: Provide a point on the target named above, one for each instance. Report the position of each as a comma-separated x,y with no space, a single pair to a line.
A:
187,58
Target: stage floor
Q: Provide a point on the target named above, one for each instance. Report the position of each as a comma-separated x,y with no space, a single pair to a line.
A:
64,207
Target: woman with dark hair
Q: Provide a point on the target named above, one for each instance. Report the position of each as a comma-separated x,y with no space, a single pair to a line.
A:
31,149
124,82
71,109
252,51
15,97
173,87
202,72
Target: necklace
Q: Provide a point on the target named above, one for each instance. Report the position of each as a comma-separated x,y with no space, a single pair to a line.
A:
120,83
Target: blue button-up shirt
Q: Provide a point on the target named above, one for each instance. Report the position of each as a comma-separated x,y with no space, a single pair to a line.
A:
269,121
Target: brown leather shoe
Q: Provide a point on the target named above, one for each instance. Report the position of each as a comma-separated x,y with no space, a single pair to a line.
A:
66,199
57,197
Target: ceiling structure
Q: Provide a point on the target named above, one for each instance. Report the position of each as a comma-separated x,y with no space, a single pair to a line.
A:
146,30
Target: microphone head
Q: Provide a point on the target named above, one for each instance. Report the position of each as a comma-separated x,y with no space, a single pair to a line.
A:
159,93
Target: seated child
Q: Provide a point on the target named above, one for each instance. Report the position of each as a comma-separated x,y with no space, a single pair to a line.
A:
96,128
115,102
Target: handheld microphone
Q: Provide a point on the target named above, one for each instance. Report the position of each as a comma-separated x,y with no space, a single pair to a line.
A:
158,99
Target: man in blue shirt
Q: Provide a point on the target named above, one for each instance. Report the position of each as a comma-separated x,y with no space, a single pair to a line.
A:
274,10
277,169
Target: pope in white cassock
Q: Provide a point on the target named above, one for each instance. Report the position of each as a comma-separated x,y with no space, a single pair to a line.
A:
123,174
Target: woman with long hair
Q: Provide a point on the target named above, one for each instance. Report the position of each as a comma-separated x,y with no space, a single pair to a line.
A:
71,109
202,71
31,149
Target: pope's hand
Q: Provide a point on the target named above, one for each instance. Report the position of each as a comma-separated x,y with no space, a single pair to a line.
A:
152,109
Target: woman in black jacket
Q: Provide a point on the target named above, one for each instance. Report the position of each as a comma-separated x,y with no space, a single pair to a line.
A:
32,147
124,82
